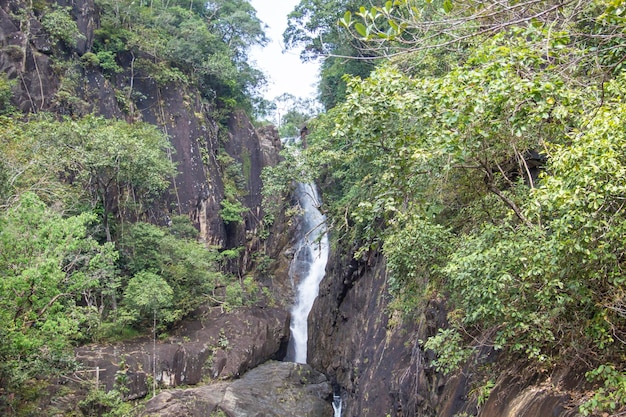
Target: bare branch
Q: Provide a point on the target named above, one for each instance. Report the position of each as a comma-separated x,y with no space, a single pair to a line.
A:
469,20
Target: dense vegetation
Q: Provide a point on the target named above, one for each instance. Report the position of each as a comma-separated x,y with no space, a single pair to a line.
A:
89,250
485,158
79,261
480,146
202,42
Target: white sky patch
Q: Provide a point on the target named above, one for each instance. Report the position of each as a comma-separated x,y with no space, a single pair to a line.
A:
284,70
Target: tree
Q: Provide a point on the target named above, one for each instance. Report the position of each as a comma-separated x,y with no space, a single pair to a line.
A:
186,265
237,24
47,262
396,138
313,25
406,27
123,167
147,292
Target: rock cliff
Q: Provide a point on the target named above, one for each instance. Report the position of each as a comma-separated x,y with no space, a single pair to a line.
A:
43,83
375,357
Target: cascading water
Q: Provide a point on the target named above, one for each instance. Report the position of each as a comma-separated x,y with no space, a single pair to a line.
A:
337,404
306,272
307,268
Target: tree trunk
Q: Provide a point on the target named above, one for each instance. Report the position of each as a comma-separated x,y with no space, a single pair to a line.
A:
154,361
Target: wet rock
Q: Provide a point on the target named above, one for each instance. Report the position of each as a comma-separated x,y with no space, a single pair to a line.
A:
274,389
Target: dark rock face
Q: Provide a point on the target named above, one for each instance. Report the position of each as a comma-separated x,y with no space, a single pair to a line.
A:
215,345
197,190
247,152
274,389
252,150
375,356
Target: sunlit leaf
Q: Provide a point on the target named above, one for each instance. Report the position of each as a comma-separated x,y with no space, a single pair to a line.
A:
361,29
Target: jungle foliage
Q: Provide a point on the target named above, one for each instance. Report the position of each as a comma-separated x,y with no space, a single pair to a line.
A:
81,259
205,43
495,179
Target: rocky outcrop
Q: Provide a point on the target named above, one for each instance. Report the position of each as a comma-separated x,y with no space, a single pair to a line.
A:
270,142
375,355
274,389
213,345
519,395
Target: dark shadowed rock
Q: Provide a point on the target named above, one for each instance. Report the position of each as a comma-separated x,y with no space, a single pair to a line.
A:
372,354
274,389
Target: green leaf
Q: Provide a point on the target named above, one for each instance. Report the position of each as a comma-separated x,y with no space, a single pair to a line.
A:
448,6
346,20
394,26
361,29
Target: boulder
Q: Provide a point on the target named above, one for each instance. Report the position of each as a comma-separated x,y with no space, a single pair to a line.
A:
274,389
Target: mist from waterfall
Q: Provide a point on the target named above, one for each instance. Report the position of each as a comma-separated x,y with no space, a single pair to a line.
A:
307,268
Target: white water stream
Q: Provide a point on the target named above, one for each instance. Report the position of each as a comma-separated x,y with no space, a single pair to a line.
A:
337,404
307,268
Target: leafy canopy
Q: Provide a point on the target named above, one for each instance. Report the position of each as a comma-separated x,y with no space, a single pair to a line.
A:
438,167
46,263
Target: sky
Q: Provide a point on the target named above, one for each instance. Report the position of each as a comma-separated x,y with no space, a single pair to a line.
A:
284,70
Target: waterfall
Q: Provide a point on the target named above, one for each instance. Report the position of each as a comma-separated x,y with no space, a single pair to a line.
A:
307,268
337,404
